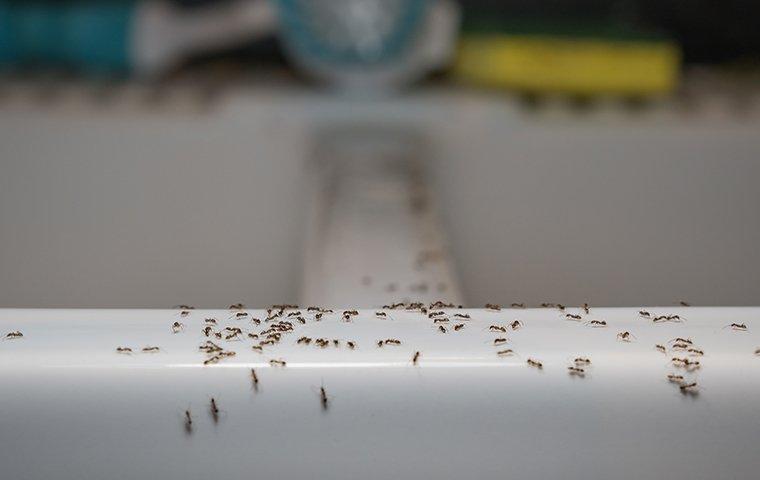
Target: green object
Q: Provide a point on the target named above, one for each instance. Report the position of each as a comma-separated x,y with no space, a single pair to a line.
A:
84,35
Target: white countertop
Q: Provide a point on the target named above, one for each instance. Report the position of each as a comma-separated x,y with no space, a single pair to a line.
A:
72,408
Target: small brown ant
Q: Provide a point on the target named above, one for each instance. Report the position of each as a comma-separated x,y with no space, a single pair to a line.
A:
214,410
625,336
381,314
239,315
462,315
210,321
500,341
177,327
497,328
380,344
277,363
442,329
237,306
586,308
684,304
679,339
123,350
571,316
318,316
576,371
184,313
680,346
351,345
392,341
255,321
516,324
505,353
336,342
561,307
14,335
661,348
597,323
210,360
257,348
458,326
254,377
672,378
582,361
644,313
253,336
737,326
207,330
188,421
436,314
518,305
548,305
150,349
696,352
493,306
535,363
415,358
440,320
323,397
688,388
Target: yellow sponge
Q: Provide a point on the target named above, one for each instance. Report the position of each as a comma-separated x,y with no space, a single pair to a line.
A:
544,63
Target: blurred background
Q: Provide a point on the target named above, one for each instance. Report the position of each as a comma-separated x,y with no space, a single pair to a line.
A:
360,152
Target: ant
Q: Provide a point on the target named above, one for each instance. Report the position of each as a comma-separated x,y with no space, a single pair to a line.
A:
696,352
684,304
458,326
207,330
301,320
210,360
277,363
188,421
548,305
210,321
516,324
184,307
184,313
500,341
586,308
645,314
240,315
381,314
304,340
336,342
323,397
214,410
571,316
237,306
436,314
493,306
505,353
582,361
177,327
253,336
672,378
518,305
737,326
625,336
254,377
535,363
415,358
442,329
597,323
561,307
13,335
576,371
661,348
497,328
462,315
686,363
258,348
684,340
318,316
150,349
392,341
123,350
757,352
351,345
689,388
380,344
680,346
440,320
